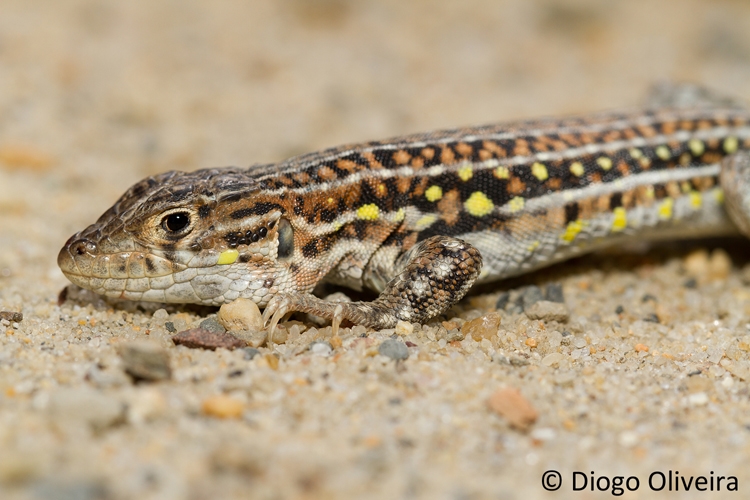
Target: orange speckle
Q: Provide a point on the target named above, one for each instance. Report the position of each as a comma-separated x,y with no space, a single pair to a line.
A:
401,157
447,156
641,348
531,342
349,165
428,153
463,149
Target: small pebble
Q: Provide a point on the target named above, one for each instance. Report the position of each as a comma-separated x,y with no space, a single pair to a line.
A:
502,301
212,325
554,293
530,295
548,311
690,283
641,348
240,315
619,310
73,406
170,327
145,360
510,404
394,349
647,297
12,316
256,338
531,342
250,352
719,265
483,327
204,339
552,359
651,318
161,314
404,328
222,406
321,348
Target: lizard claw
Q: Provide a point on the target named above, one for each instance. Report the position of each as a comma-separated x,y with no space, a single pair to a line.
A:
275,310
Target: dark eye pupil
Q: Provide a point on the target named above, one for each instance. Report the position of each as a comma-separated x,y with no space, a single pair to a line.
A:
176,222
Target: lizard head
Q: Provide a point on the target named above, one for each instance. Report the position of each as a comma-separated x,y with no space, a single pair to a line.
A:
200,237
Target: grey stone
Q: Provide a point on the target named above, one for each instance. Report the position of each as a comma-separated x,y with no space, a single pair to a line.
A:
394,349
212,325
145,360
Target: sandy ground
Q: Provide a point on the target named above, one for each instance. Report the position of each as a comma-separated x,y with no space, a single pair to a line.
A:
649,374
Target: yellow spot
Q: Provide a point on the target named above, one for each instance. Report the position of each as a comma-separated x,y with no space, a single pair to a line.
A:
636,153
465,173
665,209
620,220
228,257
533,246
604,162
539,171
400,215
696,147
645,162
576,168
719,195
478,204
730,145
502,173
382,190
433,193
696,199
685,187
330,201
574,227
648,192
426,221
368,212
663,152
337,226
516,204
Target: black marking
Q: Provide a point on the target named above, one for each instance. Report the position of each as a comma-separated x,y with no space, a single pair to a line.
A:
615,201
327,215
181,194
204,211
244,258
242,213
310,250
264,207
571,212
150,265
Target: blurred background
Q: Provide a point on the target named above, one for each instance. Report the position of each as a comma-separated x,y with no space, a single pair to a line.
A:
120,90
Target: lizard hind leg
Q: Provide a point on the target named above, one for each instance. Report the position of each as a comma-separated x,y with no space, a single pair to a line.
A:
433,275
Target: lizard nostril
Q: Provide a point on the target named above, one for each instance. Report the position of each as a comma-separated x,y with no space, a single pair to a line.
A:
82,246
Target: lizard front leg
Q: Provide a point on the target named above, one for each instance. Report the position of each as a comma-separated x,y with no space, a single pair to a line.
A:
431,277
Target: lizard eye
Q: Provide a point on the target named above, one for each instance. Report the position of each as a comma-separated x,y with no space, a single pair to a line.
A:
175,222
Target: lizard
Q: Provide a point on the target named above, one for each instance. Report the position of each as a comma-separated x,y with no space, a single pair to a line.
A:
421,218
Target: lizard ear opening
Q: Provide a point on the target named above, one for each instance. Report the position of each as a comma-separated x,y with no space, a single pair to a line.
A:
286,239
